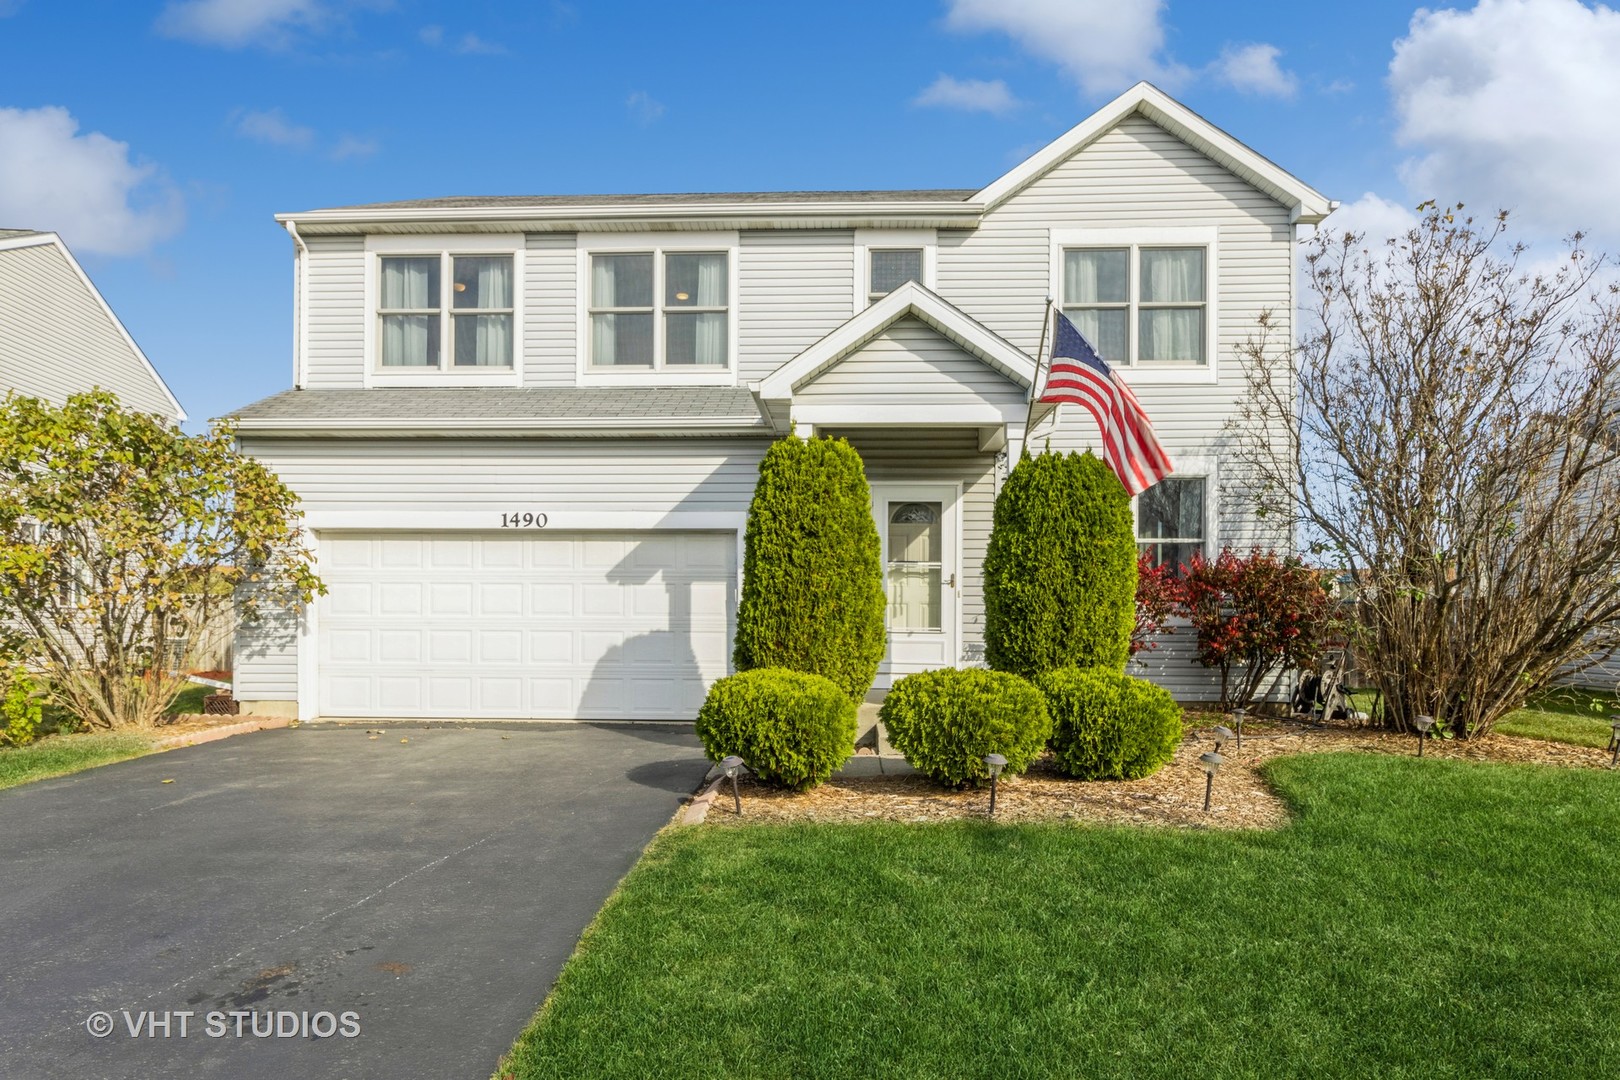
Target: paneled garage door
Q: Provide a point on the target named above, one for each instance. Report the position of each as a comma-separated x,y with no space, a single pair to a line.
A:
629,626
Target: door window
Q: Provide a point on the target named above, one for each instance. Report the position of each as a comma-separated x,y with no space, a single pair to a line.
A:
916,562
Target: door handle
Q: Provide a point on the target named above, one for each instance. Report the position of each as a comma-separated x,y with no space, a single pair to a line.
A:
952,582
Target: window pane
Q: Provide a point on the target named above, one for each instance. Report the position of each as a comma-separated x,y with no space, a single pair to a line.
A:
482,340
695,338
1174,556
695,280
1171,509
914,533
1172,275
410,341
1095,276
916,591
622,340
914,597
481,281
410,283
1107,330
1172,335
892,269
621,281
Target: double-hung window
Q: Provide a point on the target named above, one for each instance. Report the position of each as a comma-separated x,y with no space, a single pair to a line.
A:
446,311
1140,305
1171,522
660,310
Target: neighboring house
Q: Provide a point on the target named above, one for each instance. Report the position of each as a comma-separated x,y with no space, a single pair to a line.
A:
59,337
526,429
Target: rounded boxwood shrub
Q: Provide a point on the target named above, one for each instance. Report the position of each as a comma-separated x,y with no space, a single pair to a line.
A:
793,729
1107,725
946,721
812,592
1060,570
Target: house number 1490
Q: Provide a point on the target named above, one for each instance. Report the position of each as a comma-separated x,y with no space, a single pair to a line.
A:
525,520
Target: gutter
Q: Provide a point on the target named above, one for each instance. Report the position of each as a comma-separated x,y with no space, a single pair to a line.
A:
954,213
641,425
300,264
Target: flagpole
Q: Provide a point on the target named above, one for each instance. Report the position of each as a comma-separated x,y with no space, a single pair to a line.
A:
1035,387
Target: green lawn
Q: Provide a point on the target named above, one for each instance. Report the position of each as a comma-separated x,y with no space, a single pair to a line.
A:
1565,714
1420,918
57,755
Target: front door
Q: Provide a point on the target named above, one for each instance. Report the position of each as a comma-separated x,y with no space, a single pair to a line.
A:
917,523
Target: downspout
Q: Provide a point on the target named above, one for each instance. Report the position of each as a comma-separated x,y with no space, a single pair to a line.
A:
300,263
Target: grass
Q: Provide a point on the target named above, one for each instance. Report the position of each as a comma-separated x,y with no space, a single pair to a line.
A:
1564,714
1418,919
58,755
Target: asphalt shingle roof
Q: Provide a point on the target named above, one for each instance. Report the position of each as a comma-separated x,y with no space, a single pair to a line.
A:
531,404
504,201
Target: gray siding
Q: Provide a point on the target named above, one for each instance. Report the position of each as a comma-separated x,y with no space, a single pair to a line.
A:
335,322
793,287
910,361
56,339
941,455
550,310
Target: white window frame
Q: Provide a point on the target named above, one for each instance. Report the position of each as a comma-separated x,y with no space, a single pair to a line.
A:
1190,468
657,245
1134,240
869,240
446,246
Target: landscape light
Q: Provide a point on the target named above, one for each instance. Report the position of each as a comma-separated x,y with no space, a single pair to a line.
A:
1614,740
1223,735
996,763
1211,763
1237,715
1423,724
731,765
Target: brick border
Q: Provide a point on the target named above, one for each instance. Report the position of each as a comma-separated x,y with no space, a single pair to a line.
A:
243,725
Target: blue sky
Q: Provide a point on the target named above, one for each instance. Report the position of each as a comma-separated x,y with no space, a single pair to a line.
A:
160,137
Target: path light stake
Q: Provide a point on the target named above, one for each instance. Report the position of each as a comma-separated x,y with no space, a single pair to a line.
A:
1223,735
1212,763
731,766
1614,740
1237,715
996,763
1423,724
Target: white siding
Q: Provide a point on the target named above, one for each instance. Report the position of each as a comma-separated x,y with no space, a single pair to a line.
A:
56,339
910,362
335,324
931,455
550,312
266,660
792,289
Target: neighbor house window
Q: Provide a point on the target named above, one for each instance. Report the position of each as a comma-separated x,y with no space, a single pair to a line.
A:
443,311
667,310
891,268
1170,520
1139,305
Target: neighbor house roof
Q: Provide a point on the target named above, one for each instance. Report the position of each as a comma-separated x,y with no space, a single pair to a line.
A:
682,410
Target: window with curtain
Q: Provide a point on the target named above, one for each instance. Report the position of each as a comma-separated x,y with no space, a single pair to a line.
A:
891,268
440,311
1170,520
1154,315
660,310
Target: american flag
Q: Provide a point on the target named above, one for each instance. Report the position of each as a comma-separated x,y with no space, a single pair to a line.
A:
1080,376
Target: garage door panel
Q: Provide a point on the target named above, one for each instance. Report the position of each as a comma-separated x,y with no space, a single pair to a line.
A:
629,626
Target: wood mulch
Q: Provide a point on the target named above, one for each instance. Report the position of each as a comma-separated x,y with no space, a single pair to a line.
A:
1173,796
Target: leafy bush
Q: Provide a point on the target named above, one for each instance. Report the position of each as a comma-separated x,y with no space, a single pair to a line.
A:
946,721
1060,571
1157,593
1107,725
21,707
793,729
812,593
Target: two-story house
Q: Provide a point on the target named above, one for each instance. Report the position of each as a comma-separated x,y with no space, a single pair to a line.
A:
59,337
526,429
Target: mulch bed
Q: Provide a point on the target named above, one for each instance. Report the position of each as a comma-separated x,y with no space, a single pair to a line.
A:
1173,796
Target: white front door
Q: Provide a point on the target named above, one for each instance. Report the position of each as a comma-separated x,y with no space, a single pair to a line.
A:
917,523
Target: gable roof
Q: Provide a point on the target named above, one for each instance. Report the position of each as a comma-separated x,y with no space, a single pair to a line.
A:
12,240
909,300
1306,204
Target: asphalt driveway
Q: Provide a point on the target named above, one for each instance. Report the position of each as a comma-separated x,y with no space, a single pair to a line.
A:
432,888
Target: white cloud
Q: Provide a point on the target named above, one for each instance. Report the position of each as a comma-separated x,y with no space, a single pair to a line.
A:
354,148
969,95
1253,69
1511,106
235,23
1379,218
83,186
1103,45
431,35
643,107
473,45
272,126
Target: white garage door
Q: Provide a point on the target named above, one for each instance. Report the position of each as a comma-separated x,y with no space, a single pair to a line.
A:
613,626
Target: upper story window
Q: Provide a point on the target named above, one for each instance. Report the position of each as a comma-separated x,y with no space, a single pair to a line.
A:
1171,524
663,310
446,311
891,268
1139,305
